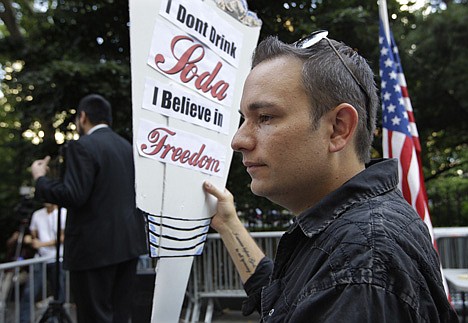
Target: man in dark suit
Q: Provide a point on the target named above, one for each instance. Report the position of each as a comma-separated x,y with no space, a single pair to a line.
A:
104,231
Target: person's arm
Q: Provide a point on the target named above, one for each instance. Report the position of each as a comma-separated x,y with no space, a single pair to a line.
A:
37,243
77,184
242,248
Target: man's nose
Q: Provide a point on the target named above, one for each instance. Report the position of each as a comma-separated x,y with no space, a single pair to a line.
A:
243,139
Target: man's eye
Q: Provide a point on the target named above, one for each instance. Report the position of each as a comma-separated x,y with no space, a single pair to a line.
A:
265,118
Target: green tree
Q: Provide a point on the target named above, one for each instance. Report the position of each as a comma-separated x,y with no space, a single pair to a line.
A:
435,62
55,51
64,50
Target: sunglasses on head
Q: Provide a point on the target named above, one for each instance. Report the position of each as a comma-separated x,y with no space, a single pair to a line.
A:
314,38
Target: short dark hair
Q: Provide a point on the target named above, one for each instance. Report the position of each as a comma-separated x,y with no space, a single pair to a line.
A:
328,83
97,109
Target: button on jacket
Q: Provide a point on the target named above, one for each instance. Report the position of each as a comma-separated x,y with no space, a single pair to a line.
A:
362,254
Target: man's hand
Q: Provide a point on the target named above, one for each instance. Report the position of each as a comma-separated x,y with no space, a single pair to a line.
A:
226,214
40,167
242,248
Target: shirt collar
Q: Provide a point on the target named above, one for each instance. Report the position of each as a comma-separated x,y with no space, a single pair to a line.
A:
380,176
96,127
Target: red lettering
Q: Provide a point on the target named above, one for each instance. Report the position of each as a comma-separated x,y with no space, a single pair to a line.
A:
167,149
185,156
158,146
187,68
153,137
202,162
184,59
176,154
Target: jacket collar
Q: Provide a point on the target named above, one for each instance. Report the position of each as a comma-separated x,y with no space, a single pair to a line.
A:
380,176
97,127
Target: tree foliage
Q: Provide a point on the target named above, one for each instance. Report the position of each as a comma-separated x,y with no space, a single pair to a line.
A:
56,51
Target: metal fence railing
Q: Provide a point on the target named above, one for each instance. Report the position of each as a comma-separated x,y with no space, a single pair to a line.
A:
452,244
213,275
13,277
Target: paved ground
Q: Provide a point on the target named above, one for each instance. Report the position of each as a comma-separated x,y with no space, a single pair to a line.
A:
235,317
225,315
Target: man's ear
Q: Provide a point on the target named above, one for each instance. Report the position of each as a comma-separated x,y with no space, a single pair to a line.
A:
345,120
83,117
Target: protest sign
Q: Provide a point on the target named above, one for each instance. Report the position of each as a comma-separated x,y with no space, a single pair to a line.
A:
189,60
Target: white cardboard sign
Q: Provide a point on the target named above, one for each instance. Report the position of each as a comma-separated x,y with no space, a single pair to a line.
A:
170,237
185,60
174,101
186,89
180,148
207,26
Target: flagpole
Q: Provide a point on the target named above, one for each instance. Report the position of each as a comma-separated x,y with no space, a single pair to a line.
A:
384,18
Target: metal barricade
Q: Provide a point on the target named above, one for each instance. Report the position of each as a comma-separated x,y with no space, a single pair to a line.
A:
452,244
12,276
214,274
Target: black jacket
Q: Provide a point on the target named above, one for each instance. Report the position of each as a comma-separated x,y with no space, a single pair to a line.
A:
362,254
98,188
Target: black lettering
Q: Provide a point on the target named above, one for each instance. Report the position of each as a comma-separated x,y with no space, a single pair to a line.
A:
168,7
190,22
166,100
199,26
193,110
155,96
218,118
183,105
181,13
226,46
207,115
233,50
212,35
176,104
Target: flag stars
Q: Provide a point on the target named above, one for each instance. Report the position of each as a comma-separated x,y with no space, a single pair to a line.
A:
384,51
396,121
395,116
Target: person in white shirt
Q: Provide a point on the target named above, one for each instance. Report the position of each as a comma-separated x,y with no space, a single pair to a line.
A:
43,229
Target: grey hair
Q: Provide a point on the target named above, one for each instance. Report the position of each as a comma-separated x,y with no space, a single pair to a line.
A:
328,83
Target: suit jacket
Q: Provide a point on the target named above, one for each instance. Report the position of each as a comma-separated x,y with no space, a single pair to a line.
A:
98,188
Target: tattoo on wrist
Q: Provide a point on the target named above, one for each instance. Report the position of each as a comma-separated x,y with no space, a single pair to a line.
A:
244,255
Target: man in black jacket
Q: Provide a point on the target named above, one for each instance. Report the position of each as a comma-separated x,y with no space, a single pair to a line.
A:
357,251
104,231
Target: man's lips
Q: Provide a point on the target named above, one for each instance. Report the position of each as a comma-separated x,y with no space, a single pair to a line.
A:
252,165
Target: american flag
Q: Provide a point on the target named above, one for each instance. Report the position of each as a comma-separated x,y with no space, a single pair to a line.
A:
400,137
400,134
